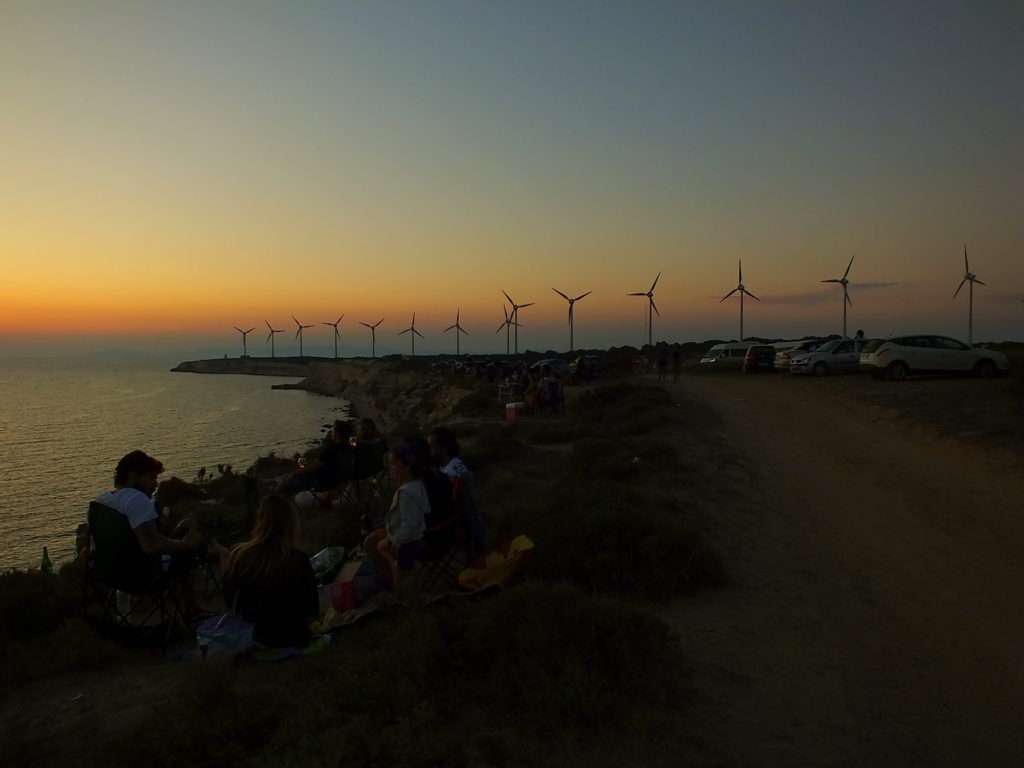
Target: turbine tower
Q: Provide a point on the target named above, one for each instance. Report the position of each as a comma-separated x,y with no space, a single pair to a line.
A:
373,335
843,281
652,308
245,349
507,326
298,333
270,336
515,318
413,333
970,278
742,291
337,333
572,307
459,330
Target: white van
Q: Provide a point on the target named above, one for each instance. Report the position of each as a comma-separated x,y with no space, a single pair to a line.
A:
731,353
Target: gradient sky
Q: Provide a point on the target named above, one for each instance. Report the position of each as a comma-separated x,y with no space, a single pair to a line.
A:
170,170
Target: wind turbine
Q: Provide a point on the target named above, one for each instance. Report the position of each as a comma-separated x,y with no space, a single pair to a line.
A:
515,317
413,333
652,308
458,331
572,307
970,278
337,333
847,301
507,325
270,336
298,333
742,292
245,350
373,335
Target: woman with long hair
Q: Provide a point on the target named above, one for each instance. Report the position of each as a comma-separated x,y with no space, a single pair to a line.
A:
269,582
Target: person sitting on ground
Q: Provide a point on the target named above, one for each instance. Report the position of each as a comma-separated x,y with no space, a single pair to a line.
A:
398,545
270,583
444,449
550,389
442,520
335,460
135,482
368,433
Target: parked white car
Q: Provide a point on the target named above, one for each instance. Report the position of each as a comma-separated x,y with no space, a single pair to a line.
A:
898,358
728,354
836,356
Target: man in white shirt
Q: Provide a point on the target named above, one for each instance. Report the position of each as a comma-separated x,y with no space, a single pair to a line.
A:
135,481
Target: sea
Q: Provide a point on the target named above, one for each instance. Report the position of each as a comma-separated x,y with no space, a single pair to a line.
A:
64,425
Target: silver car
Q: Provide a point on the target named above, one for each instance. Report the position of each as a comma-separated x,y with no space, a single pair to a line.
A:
837,356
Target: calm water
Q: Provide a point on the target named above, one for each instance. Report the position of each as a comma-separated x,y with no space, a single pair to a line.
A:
64,426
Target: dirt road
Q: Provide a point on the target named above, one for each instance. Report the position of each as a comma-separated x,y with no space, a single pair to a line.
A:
877,616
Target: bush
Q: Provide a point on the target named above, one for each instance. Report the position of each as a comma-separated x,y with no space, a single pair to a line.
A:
605,536
30,606
533,676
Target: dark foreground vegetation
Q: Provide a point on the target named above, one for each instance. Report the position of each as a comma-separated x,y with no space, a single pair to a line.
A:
570,667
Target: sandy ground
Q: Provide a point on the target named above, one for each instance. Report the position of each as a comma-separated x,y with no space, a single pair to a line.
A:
876,617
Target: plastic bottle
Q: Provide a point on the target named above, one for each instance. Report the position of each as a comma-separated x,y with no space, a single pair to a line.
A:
47,565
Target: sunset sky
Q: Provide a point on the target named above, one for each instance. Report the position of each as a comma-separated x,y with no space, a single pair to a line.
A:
171,170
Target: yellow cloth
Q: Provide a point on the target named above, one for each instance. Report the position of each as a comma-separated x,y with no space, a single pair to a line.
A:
498,567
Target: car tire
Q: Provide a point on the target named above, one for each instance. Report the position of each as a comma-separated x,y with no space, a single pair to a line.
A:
897,371
985,369
820,369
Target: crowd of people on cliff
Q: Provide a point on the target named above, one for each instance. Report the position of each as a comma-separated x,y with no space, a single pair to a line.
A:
267,580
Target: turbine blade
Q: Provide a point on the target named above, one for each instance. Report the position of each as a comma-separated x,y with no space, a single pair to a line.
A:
636,294
375,325
730,293
509,299
583,295
959,287
463,330
655,283
849,300
561,294
966,266
270,336
832,281
418,333
655,307
296,320
450,327
750,295
524,306
979,282
847,272
269,328
402,333
741,270
237,328
366,324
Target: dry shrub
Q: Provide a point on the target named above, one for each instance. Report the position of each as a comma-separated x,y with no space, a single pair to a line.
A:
528,677
609,537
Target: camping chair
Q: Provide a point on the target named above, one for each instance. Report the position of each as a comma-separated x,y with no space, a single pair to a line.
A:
116,562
